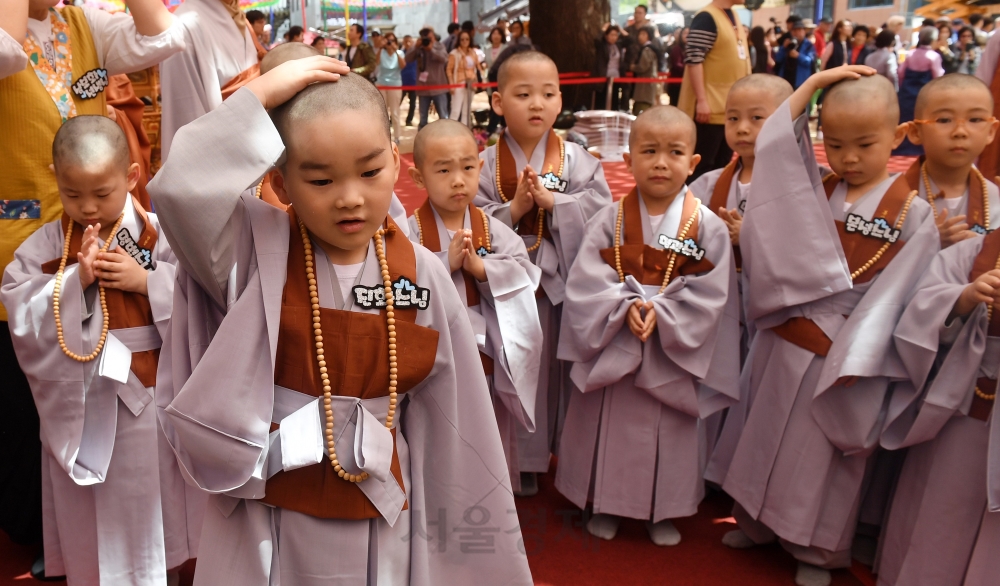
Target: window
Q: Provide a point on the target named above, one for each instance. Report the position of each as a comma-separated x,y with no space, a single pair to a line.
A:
869,3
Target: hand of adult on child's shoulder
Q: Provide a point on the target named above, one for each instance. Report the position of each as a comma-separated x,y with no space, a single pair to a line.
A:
115,269
89,247
284,81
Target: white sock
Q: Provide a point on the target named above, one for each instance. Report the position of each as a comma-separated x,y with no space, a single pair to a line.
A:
737,539
603,526
663,533
810,575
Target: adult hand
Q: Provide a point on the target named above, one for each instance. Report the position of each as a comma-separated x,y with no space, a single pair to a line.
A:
793,54
702,111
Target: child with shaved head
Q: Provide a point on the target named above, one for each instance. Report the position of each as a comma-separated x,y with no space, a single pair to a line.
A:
546,189
89,296
830,263
650,325
940,529
491,271
954,123
325,385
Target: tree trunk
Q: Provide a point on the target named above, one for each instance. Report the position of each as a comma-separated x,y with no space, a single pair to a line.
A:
565,30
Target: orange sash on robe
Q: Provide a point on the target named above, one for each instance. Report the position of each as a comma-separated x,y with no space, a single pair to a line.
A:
989,159
128,115
125,309
247,75
720,197
975,215
357,357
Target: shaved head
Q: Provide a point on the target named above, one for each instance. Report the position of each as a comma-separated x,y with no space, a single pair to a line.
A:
352,92
534,59
435,130
777,87
659,119
285,52
873,91
93,142
968,84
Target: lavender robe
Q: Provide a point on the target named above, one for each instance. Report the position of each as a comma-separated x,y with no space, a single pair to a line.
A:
634,441
941,499
222,399
585,194
506,327
803,450
115,508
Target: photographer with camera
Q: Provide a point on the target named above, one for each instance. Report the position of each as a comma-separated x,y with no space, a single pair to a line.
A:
968,51
431,59
796,57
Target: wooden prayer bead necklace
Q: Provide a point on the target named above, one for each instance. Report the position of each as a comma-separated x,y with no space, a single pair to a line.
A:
541,213
321,359
673,255
259,187
57,290
878,255
486,229
982,181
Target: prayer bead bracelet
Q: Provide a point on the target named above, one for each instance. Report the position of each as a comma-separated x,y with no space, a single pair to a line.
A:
57,290
320,356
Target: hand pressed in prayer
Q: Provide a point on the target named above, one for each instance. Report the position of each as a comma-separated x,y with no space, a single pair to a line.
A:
117,270
89,248
457,251
543,197
733,221
284,81
522,202
985,289
641,325
473,262
952,230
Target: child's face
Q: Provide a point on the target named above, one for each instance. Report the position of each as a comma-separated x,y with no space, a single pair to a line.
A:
746,111
449,172
93,194
661,159
530,100
339,174
956,125
859,139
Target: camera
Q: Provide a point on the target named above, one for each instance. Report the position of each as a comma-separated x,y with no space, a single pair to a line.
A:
777,27
970,46
793,44
426,41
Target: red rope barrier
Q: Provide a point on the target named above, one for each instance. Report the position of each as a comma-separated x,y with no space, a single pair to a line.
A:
597,80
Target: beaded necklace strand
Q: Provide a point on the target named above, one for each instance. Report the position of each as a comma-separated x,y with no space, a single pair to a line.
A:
878,255
541,213
57,290
672,259
321,358
986,193
989,318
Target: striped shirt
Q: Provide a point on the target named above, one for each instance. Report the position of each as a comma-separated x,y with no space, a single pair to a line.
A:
701,37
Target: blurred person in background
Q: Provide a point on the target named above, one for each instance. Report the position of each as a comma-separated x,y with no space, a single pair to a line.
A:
967,52
860,48
409,78
391,62
760,51
882,59
462,66
838,50
608,64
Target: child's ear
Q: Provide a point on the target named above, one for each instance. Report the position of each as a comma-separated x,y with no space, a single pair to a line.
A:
417,176
911,130
483,161
278,185
497,103
993,131
627,157
695,159
133,176
395,162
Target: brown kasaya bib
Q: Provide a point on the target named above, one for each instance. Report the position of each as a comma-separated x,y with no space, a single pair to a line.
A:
720,197
357,359
986,261
975,214
646,263
555,158
859,249
432,242
125,308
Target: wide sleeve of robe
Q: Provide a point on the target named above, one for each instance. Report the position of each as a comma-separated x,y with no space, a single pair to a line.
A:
12,56
122,49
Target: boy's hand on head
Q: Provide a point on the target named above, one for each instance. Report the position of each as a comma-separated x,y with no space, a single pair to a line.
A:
822,80
89,247
473,262
952,230
118,270
543,197
457,251
284,81
522,202
733,221
636,323
985,289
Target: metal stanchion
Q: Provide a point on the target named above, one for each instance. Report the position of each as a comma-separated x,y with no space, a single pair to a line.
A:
468,102
607,94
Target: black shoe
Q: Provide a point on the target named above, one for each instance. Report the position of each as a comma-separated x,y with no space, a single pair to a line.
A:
38,571
529,484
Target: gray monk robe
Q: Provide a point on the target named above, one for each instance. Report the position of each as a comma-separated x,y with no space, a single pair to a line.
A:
951,477
242,360
634,440
822,356
115,507
576,179
502,312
